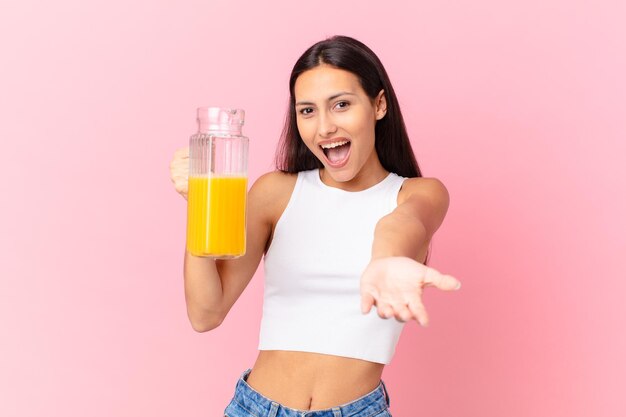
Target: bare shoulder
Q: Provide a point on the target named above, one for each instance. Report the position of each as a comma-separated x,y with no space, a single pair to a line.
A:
427,199
271,193
427,187
274,184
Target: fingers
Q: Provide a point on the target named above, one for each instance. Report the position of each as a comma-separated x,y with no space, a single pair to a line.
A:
441,281
403,313
182,152
180,161
418,311
367,300
179,171
385,310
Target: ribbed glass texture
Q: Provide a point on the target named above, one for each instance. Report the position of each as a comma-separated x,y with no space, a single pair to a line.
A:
218,184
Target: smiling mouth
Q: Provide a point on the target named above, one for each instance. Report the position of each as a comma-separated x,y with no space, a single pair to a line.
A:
337,154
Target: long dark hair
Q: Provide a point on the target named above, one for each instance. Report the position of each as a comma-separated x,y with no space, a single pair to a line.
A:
391,139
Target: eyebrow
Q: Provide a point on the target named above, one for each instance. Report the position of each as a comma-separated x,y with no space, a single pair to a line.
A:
334,96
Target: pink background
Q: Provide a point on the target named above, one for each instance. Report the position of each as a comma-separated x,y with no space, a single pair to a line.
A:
518,107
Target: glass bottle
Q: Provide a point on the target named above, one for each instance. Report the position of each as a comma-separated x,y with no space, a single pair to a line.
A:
218,184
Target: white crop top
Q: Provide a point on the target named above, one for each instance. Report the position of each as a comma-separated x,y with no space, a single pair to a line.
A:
322,243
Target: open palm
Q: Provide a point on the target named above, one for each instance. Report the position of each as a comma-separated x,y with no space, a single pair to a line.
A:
395,285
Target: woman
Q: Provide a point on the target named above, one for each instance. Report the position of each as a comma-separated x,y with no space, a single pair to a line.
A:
344,224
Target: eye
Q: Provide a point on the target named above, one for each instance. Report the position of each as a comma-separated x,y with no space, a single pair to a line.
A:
305,111
342,104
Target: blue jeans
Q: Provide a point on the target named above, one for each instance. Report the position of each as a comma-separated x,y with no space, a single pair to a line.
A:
249,403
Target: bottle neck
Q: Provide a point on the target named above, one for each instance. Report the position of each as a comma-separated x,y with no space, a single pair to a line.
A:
218,130
220,120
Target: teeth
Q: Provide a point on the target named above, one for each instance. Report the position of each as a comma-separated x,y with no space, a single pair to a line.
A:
334,144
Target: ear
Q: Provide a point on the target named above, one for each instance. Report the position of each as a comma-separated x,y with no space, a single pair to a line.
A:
380,103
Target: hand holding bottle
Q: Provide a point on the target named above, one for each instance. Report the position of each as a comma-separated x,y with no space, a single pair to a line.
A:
179,171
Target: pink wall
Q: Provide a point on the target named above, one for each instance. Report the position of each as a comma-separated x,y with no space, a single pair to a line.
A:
518,108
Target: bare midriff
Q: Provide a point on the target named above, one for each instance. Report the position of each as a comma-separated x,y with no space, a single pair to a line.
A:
312,381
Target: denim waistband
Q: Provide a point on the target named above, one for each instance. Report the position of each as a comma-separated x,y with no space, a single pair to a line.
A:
258,405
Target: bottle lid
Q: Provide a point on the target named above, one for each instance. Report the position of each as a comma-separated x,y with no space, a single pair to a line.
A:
220,119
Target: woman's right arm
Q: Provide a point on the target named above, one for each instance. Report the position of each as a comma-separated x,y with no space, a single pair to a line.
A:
213,285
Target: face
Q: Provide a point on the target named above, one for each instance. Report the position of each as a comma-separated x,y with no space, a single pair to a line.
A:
333,110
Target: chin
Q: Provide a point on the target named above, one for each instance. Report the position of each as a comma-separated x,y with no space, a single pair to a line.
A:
344,174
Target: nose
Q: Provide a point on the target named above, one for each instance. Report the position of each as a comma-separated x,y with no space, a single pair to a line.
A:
327,125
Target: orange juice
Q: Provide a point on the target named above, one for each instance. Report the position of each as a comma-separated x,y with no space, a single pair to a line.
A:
216,216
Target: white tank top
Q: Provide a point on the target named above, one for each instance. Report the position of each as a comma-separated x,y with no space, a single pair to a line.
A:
322,243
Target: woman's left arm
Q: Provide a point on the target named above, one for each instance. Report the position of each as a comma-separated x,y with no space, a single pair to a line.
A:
393,280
